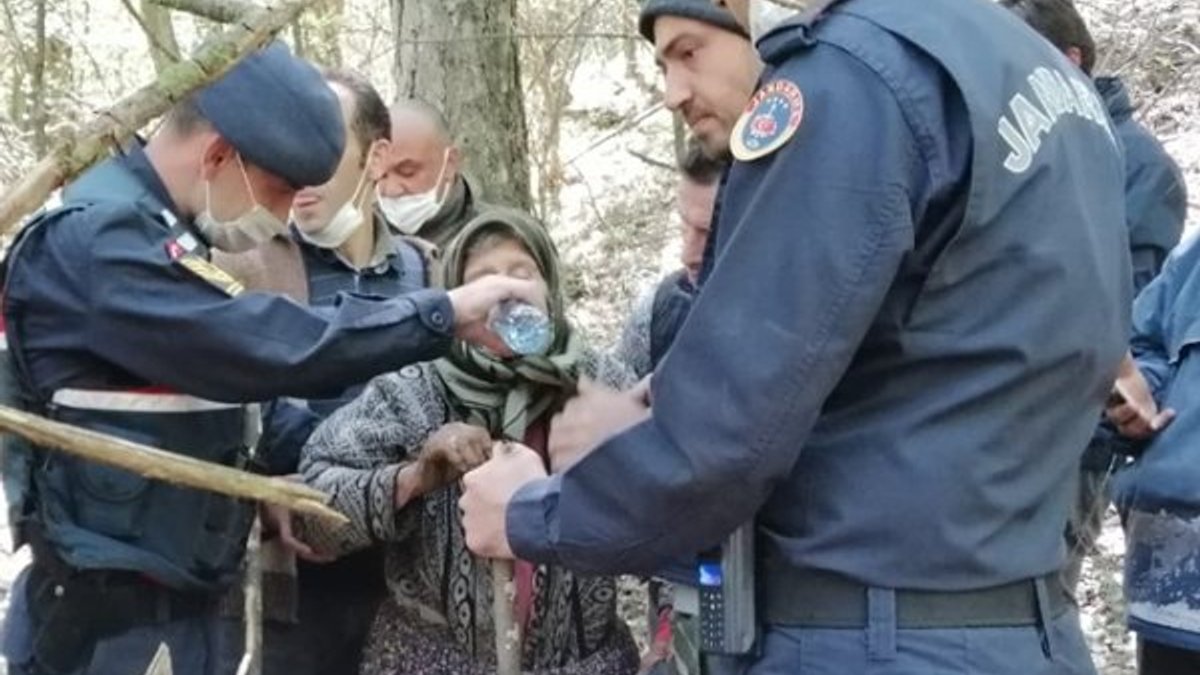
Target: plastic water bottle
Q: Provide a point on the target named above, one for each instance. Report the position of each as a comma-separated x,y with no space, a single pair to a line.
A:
525,329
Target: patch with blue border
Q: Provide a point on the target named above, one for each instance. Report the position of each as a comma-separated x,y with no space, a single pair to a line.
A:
769,122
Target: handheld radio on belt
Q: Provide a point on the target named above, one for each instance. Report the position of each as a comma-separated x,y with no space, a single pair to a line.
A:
728,622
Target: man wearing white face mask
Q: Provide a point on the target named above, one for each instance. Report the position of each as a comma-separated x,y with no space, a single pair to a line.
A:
421,190
343,246
346,242
118,321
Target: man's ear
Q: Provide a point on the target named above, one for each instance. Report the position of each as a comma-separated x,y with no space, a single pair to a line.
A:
217,152
453,164
377,158
1075,55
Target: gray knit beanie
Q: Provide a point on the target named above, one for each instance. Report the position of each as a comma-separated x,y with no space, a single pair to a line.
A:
700,10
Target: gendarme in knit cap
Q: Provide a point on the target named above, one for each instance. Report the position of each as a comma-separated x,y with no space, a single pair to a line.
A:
699,10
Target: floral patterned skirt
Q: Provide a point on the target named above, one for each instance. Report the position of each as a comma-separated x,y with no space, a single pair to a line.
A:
402,643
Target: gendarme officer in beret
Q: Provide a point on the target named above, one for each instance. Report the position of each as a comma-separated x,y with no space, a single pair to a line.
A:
117,321
914,311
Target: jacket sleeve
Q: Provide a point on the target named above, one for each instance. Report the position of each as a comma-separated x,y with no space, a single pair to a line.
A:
1153,314
287,426
153,317
1155,205
633,348
800,275
355,454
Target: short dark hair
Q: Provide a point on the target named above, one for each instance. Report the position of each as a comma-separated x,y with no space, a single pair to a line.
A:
371,121
698,167
1059,22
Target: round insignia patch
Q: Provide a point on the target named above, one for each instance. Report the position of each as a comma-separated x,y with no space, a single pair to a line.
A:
410,372
769,122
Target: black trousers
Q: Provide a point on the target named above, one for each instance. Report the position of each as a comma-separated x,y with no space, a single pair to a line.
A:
1155,658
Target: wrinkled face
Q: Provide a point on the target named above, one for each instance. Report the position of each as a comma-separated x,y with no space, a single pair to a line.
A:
695,203
507,257
710,75
314,207
415,158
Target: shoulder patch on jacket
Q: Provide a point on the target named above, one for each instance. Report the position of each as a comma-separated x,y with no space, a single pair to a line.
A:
769,122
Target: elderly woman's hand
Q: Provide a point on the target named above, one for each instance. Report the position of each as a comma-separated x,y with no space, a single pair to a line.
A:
447,454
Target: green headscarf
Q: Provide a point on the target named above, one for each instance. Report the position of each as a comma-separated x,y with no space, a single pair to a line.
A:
505,395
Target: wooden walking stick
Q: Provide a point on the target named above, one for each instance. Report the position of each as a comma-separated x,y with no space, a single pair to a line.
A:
504,601
252,652
508,633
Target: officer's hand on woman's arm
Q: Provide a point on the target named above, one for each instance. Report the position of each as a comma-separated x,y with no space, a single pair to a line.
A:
596,414
1131,406
474,301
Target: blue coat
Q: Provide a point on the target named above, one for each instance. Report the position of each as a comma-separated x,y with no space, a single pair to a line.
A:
118,323
1160,491
914,313
1155,192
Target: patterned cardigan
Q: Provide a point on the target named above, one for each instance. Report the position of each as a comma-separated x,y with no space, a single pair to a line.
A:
440,591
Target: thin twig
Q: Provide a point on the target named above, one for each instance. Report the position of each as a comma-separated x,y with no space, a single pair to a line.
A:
656,163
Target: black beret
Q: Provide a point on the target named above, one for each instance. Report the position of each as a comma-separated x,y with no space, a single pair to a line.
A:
700,10
280,114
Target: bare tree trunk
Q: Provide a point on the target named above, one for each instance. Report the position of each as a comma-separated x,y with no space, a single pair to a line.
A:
448,54
21,67
38,80
76,152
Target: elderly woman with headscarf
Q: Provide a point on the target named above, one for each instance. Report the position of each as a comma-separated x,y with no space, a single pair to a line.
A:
391,460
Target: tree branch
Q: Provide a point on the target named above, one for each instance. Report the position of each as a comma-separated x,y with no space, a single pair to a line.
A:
221,11
656,163
76,152
165,466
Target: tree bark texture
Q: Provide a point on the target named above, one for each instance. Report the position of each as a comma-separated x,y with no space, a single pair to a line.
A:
160,33
462,56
